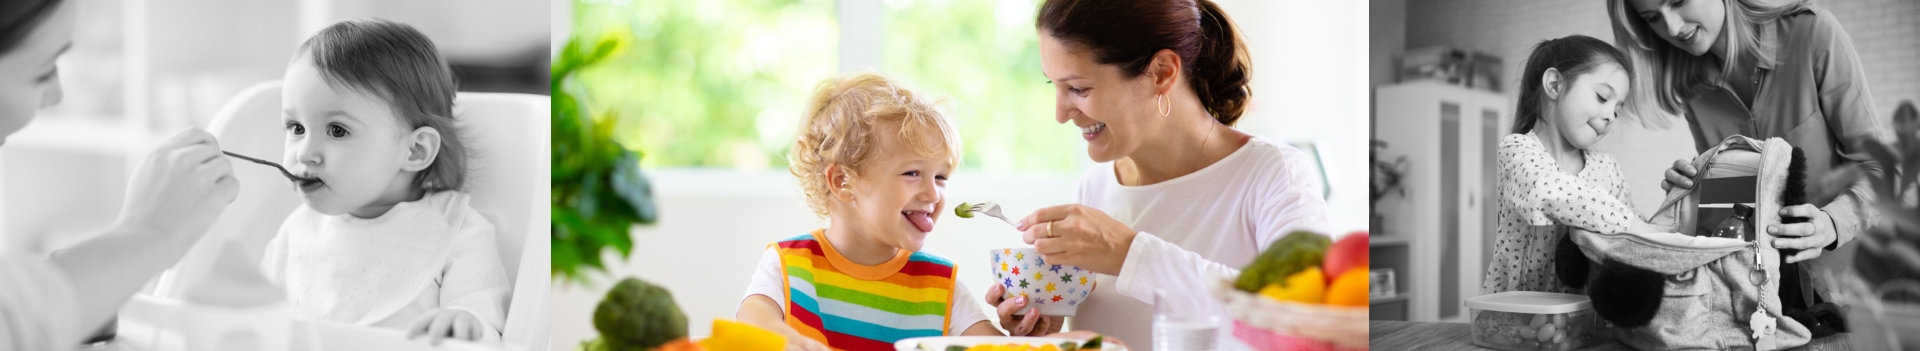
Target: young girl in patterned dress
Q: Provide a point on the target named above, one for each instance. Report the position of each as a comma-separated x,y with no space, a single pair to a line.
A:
1550,181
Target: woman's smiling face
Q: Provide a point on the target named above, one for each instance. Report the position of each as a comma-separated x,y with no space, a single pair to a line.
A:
29,79
349,140
1693,26
1113,113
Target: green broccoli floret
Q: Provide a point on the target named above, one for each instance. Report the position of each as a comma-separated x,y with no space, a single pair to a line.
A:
593,344
965,210
637,315
1290,254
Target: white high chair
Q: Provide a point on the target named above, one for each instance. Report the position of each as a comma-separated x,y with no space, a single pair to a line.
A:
508,177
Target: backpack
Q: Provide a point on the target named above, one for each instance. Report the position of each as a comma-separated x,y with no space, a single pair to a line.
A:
1672,289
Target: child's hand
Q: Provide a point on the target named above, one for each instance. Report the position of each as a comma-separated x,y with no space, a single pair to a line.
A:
805,344
447,323
1032,325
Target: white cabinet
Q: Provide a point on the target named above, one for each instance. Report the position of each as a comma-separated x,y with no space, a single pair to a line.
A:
1449,135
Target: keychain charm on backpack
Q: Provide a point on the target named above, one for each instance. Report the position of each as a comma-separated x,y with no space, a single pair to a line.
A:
1761,323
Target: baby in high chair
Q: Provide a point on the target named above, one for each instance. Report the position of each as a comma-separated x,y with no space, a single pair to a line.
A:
384,236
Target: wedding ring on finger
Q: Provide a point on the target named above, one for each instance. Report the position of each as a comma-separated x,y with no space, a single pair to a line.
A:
1050,231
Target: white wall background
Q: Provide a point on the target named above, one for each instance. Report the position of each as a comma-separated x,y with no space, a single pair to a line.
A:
1308,87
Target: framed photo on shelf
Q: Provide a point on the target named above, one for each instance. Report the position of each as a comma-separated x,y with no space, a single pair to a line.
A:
1380,283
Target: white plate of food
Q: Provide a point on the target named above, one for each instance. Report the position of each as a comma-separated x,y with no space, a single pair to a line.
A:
999,343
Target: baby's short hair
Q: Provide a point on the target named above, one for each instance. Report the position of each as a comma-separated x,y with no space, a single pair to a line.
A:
840,124
399,64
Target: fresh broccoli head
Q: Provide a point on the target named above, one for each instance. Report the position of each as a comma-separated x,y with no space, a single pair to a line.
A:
637,315
593,344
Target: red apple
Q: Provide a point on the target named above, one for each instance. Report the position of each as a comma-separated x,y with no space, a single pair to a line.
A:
1350,251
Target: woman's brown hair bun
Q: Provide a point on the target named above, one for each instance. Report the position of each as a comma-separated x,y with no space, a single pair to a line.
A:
1128,32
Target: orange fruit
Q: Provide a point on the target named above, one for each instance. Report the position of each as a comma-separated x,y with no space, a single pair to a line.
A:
1349,289
1306,286
681,344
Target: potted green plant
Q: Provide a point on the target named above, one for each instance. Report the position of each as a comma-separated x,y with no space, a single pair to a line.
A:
599,193
1883,283
1387,179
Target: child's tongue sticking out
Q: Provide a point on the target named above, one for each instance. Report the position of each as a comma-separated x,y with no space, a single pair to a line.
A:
921,220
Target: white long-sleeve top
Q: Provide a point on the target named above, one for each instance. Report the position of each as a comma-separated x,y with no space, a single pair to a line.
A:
1194,228
38,310
421,256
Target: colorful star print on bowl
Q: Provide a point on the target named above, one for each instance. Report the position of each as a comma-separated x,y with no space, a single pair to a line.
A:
1057,290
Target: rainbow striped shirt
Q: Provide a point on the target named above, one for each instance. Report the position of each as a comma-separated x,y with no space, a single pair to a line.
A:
849,306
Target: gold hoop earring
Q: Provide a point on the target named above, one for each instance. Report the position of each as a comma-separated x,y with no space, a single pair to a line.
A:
1161,105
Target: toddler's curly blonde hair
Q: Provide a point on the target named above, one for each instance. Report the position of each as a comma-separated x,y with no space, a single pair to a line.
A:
841,128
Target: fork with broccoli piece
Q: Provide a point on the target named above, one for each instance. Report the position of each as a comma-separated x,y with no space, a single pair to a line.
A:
966,210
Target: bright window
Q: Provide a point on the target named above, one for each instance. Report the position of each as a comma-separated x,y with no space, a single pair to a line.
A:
722,83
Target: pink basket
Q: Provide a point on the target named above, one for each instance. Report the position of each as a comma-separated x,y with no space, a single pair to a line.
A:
1267,324
1261,339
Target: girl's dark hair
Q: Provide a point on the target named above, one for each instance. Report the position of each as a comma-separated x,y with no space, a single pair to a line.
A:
1128,32
19,18
397,63
1572,56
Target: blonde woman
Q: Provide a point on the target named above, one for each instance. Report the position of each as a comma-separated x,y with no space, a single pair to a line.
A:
1763,70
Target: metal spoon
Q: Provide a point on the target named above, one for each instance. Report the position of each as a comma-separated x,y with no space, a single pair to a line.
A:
283,170
991,210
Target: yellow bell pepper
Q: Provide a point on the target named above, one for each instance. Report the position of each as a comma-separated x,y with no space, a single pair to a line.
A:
1306,286
730,335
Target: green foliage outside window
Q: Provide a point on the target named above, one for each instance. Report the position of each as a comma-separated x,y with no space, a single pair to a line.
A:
722,83
985,55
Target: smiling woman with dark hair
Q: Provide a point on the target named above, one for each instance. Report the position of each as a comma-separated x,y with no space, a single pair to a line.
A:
47,301
1178,194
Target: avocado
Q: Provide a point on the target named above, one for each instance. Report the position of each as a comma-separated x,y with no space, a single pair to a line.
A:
1290,254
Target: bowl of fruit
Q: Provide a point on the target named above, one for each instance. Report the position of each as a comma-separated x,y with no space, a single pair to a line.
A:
1305,292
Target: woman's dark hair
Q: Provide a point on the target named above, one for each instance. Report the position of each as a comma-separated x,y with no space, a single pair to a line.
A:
19,18
1572,56
399,64
1128,32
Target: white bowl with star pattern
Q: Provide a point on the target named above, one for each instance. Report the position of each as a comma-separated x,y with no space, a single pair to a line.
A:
1057,290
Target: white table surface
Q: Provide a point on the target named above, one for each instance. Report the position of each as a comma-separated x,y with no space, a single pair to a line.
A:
144,326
